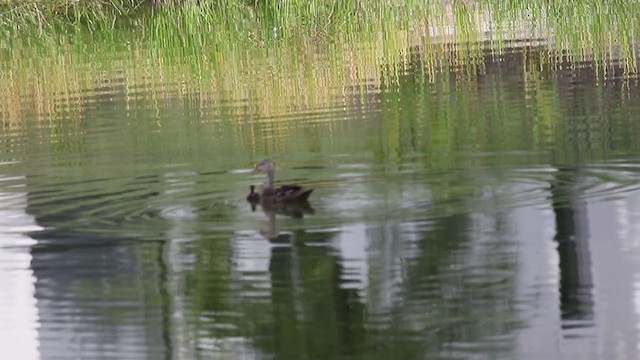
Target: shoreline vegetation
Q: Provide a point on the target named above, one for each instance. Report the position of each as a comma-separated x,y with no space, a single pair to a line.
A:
247,17
286,55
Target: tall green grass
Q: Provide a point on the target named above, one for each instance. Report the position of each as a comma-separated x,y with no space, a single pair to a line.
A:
51,18
586,29
263,18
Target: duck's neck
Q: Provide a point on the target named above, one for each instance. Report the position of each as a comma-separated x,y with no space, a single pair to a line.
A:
268,184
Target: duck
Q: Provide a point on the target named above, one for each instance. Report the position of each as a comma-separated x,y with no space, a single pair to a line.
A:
282,194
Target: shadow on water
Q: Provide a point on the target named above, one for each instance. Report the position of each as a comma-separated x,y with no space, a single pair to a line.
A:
572,237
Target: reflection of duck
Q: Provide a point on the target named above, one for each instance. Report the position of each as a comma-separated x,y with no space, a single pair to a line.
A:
283,194
295,210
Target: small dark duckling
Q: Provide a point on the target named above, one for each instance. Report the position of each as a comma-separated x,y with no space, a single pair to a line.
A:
253,196
285,193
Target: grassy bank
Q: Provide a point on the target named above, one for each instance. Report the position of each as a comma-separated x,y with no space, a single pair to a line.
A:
252,18
586,29
48,17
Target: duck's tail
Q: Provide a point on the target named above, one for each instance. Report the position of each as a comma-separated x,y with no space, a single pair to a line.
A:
304,195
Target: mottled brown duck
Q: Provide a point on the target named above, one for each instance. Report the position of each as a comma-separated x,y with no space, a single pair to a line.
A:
282,194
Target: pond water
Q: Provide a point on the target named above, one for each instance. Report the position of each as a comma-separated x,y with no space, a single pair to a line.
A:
489,210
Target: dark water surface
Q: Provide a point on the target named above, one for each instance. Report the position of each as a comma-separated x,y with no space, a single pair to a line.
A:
485,213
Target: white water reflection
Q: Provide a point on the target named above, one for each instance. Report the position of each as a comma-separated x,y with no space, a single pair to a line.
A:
19,319
616,268
351,244
613,267
537,283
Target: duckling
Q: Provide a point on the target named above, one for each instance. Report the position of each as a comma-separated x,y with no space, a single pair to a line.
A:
253,196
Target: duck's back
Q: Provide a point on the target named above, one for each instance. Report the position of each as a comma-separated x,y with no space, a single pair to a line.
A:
286,193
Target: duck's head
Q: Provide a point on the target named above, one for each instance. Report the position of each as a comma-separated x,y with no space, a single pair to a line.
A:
264,166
